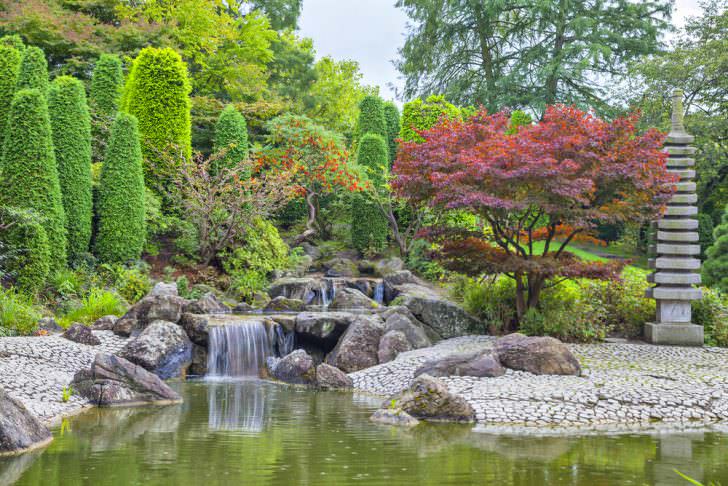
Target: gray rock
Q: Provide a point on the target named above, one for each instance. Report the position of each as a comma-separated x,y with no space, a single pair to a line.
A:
113,380
105,323
388,266
429,398
20,431
444,317
537,355
391,344
348,298
322,328
479,364
81,334
297,367
243,308
197,328
151,308
341,267
270,364
311,250
287,321
198,366
49,324
284,304
407,324
162,348
394,416
260,300
207,304
401,277
331,378
306,289
358,347
162,288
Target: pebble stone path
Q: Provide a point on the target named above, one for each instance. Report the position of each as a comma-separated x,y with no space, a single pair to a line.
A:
35,370
622,384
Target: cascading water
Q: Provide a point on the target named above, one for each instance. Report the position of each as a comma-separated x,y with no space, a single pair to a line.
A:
237,350
282,341
379,293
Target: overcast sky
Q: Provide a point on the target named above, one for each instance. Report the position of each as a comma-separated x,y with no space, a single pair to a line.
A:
371,31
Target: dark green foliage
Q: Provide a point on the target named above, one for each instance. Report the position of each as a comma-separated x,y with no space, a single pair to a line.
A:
369,227
705,233
231,134
71,127
30,175
33,71
391,116
157,94
418,115
371,117
121,209
25,243
715,267
9,68
104,97
14,41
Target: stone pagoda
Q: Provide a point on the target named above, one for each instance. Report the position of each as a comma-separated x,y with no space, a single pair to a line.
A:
677,264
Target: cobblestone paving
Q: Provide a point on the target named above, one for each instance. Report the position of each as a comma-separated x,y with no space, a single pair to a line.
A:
621,384
36,369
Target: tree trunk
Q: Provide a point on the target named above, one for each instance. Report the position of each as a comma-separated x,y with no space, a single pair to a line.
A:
311,222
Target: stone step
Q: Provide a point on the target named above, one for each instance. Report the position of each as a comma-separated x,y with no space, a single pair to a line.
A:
673,293
674,278
685,186
686,236
677,150
684,198
683,173
681,211
678,224
677,163
677,249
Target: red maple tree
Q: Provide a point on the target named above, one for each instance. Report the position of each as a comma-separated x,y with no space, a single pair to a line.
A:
534,191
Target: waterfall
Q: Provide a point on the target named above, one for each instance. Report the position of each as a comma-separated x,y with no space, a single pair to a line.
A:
325,300
237,349
283,342
379,293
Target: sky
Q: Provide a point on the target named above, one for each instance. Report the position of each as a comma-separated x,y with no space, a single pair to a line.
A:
371,31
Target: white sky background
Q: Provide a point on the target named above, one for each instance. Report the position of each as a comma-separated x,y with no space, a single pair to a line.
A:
371,31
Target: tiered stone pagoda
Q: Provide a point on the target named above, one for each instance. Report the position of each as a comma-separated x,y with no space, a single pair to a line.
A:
677,252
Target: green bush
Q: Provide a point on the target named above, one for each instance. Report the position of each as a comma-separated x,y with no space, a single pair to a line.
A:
96,304
705,233
369,227
419,261
518,119
249,264
132,283
18,313
391,116
107,82
157,94
14,41
9,68
711,312
71,128
418,115
715,268
121,206
231,135
371,118
492,301
33,71
30,176
24,244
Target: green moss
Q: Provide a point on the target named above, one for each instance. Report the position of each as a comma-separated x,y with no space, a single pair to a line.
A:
369,227
71,127
33,71
231,134
10,59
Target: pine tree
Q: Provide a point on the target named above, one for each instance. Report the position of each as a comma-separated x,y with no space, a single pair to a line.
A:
715,267
391,116
30,176
71,127
33,71
121,208
369,227
10,59
231,134
107,82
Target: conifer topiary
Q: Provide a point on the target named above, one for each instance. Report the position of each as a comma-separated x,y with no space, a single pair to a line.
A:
10,59
418,115
391,116
107,83
33,71
24,242
71,127
157,95
231,135
120,211
371,117
715,267
30,176
369,227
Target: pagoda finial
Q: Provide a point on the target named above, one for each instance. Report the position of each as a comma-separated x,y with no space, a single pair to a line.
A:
678,112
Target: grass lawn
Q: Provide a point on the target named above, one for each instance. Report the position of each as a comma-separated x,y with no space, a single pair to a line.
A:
594,253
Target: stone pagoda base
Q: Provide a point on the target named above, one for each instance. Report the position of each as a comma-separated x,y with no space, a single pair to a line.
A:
677,334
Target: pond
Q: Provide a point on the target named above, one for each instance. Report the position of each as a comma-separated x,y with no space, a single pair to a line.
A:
254,432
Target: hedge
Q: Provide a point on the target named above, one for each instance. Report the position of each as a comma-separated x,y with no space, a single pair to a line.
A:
371,117
10,59
13,40
391,116
121,210
369,227
107,82
231,134
71,127
33,71
24,242
422,115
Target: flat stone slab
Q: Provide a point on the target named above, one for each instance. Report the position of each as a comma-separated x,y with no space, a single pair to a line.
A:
635,385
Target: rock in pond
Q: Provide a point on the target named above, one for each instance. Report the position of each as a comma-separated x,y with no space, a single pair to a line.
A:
429,398
348,298
207,304
197,328
20,431
394,416
358,347
537,355
151,308
163,288
297,367
198,366
480,364
162,348
331,378
81,334
113,380
322,328
284,304
391,344
105,323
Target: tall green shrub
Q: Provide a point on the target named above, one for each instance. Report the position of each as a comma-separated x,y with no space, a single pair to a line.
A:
24,243
30,175
14,41
33,71
422,115
715,267
369,228
10,59
107,82
157,94
391,116
231,134
371,117
71,127
121,211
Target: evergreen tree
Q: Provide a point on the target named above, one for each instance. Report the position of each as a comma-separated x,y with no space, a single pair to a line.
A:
121,207
9,68
25,250
107,82
157,95
33,71
71,127
369,227
391,116
231,134
715,267
371,117
30,176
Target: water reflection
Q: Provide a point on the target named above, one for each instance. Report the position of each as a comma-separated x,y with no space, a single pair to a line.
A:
236,406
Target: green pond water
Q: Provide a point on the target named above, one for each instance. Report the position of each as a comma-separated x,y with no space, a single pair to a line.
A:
252,433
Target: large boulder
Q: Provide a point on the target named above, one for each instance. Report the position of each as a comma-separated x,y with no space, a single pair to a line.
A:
297,367
20,431
207,304
394,416
322,328
479,364
162,348
391,344
401,319
284,304
81,334
151,308
331,378
392,281
163,288
537,355
104,323
341,267
348,298
446,318
310,250
307,289
388,266
113,380
429,398
358,347
197,328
